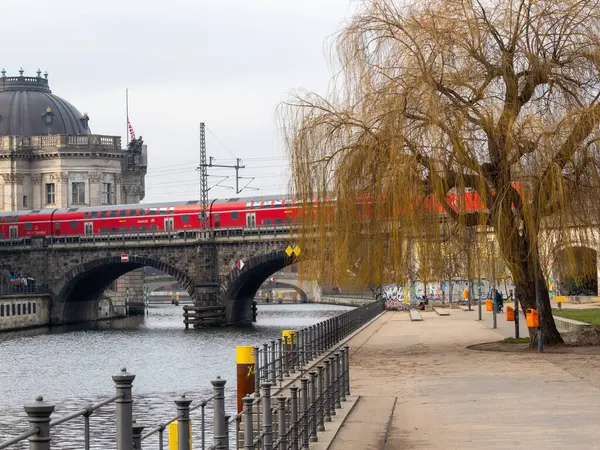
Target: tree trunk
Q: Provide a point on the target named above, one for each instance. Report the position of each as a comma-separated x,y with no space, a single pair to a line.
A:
525,293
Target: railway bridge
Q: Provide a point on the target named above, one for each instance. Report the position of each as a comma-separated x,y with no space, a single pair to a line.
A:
76,273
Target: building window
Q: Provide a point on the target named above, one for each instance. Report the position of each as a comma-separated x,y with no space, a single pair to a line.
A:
34,308
78,193
50,194
106,194
1,310
14,309
28,308
24,201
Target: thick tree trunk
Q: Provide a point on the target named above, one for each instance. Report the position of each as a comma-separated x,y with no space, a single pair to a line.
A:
525,293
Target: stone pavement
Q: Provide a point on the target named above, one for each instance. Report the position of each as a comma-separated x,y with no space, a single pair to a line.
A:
421,388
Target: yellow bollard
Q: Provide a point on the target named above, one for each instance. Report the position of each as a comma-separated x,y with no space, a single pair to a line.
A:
173,436
246,372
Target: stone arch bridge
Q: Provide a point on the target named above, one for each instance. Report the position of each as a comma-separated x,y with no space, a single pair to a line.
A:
76,274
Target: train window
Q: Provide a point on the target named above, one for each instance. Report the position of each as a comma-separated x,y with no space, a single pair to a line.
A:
256,205
113,214
267,203
132,229
248,205
234,215
163,212
29,226
132,212
73,224
34,307
85,215
103,214
267,222
288,221
57,225
142,229
113,230
94,214
142,212
103,230
123,213
152,212
217,217
277,203
123,230
153,228
277,221
185,218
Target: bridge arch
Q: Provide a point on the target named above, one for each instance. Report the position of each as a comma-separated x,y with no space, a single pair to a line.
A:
77,294
239,287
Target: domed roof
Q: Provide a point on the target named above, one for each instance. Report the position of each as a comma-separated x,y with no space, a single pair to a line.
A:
28,108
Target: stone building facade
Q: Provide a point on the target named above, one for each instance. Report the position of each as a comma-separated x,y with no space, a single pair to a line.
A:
49,158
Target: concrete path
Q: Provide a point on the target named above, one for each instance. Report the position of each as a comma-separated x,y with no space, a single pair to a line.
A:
421,388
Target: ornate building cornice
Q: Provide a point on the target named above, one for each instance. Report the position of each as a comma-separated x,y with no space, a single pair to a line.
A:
36,178
61,177
13,178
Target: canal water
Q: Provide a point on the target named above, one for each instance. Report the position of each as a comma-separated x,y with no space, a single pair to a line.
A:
72,366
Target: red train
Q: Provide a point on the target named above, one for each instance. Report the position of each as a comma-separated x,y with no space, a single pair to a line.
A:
161,219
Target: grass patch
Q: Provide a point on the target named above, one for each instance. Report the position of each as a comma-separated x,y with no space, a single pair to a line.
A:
512,340
591,315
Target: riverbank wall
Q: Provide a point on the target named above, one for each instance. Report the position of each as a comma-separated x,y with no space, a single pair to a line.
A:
24,311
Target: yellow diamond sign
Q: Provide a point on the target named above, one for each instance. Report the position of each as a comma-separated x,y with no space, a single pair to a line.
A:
289,251
297,250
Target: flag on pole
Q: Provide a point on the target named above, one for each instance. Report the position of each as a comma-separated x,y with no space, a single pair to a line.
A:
131,132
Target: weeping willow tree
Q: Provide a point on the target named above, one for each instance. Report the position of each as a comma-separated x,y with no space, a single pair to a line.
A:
448,115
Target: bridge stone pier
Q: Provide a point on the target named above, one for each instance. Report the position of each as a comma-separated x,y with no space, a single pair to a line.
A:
76,274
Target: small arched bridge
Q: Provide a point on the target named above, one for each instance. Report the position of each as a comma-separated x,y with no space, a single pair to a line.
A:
76,274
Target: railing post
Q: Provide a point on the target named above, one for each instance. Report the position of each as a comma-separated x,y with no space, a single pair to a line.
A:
137,436
320,424
301,346
281,423
248,424
342,377
286,354
257,373
38,414
273,359
183,423
281,361
220,428
337,379
313,406
267,417
265,375
304,395
124,409
294,417
326,397
347,370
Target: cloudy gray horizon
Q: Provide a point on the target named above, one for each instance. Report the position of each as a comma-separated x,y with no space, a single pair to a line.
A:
227,63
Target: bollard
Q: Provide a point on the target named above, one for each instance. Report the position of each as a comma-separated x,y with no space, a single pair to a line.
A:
313,406
347,370
294,418
137,436
256,372
219,426
184,431
267,417
320,424
124,409
326,409
331,385
38,414
246,373
281,422
304,394
248,425
342,378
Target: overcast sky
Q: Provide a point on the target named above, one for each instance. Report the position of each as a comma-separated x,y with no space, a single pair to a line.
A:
227,63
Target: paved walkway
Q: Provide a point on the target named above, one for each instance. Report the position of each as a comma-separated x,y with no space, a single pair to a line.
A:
421,388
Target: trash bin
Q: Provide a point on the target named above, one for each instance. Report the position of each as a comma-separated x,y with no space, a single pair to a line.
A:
532,318
510,314
489,305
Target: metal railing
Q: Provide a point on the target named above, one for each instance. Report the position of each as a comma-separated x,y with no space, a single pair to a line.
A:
318,356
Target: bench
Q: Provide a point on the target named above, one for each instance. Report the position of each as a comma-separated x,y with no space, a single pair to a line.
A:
414,315
442,311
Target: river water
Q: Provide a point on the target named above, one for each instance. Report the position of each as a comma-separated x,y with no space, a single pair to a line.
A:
72,366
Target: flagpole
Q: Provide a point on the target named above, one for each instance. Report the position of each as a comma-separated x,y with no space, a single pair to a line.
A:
127,113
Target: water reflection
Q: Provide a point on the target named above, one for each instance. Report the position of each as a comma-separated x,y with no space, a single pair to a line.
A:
72,365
